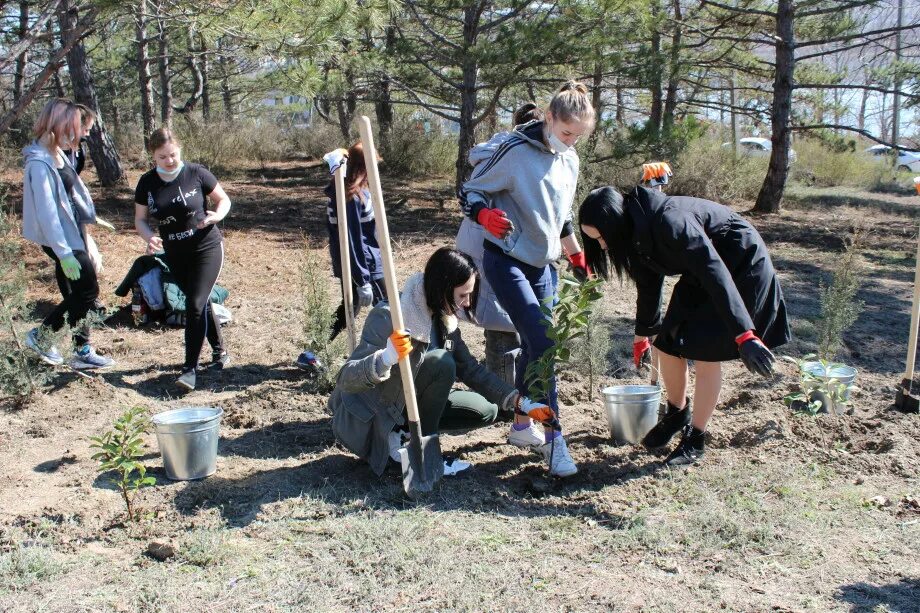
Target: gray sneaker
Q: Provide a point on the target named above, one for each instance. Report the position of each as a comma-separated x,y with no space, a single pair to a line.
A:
187,379
86,358
50,355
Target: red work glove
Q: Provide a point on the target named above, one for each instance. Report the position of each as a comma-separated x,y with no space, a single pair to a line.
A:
642,352
496,222
580,266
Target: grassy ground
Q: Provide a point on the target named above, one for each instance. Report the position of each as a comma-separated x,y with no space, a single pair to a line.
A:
786,513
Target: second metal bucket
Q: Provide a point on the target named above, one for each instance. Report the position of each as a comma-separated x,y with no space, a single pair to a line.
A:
632,410
188,441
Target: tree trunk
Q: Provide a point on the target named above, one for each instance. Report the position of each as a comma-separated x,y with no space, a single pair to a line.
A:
654,77
225,91
205,81
670,100
621,105
383,104
771,192
23,58
861,116
101,146
145,86
194,64
166,102
597,89
468,95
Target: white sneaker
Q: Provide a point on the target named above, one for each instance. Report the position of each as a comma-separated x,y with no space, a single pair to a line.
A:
50,355
531,437
557,457
395,441
453,466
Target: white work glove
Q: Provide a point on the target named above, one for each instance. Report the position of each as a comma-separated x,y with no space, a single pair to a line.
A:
364,294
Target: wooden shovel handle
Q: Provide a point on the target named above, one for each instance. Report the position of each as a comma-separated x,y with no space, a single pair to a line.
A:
342,215
914,312
389,271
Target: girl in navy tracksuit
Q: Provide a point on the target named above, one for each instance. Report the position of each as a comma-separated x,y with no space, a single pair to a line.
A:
363,252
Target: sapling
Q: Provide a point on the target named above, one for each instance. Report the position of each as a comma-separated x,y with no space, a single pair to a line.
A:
318,316
591,351
120,451
565,322
839,310
839,307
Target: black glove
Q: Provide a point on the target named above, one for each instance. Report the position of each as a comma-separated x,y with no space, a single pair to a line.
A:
757,357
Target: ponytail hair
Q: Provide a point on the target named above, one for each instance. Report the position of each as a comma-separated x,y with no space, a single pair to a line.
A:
571,102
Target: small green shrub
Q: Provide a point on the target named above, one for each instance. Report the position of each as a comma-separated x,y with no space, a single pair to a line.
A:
224,146
412,152
318,308
316,140
120,451
591,351
21,372
705,169
821,166
815,392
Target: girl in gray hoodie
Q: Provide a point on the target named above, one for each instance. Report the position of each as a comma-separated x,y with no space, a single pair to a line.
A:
522,197
56,209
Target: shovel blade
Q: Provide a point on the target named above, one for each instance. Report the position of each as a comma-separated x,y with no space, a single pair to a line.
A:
422,464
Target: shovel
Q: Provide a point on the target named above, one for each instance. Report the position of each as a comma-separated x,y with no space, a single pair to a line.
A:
341,214
422,464
904,400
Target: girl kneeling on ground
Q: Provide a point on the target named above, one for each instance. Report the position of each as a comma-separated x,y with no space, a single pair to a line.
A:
368,405
727,304
176,194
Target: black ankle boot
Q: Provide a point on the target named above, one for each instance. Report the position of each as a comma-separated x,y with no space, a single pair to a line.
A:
674,419
691,448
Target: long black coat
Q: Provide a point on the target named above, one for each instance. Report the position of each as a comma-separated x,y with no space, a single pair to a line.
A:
727,281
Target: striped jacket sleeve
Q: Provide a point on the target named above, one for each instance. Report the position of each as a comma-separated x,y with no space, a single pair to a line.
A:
490,177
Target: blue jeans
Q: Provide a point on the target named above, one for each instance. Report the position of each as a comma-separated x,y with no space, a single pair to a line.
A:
521,289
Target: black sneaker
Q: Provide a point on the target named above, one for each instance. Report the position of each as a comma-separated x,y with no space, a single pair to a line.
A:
220,360
691,448
673,421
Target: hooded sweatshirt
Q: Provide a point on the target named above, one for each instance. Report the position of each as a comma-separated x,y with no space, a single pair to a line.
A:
489,314
534,186
50,217
363,249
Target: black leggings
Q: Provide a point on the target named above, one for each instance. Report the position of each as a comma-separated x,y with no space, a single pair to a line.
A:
195,271
79,296
380,293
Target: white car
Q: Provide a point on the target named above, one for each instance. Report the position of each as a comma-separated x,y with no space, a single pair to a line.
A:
907,160
757,147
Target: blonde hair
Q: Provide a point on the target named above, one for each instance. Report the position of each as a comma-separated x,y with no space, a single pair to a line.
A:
58,118
571,102
160,137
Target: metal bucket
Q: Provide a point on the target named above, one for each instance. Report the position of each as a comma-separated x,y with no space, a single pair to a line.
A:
841,372
632,410
188,441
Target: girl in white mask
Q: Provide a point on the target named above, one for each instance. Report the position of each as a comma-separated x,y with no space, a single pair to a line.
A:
522,197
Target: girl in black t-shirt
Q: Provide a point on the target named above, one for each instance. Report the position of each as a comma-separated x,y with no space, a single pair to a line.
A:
174,193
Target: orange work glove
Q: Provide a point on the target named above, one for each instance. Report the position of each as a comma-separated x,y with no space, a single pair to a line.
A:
399,345
535,410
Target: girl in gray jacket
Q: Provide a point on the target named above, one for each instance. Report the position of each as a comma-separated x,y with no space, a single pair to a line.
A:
368,405
55,211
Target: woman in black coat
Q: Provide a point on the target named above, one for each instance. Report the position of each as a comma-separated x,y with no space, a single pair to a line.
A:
727,303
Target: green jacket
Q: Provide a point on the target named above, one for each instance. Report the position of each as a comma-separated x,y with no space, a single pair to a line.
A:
365,406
